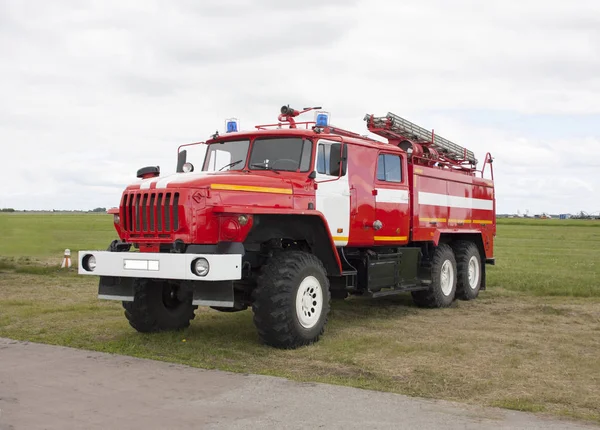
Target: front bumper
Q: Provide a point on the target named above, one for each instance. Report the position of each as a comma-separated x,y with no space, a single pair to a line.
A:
222,267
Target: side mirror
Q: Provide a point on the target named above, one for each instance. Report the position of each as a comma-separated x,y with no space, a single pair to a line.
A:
338,159
181,158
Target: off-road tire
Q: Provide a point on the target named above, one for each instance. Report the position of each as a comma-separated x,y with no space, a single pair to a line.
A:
464,251
149,312
274,300
434,296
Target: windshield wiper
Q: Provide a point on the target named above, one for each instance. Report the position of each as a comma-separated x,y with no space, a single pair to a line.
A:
264,167
231,164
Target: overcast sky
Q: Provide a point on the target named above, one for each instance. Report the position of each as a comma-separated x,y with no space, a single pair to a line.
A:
93,90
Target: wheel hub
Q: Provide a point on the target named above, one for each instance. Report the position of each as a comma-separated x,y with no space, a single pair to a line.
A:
309,302
473,272
170,296
447,277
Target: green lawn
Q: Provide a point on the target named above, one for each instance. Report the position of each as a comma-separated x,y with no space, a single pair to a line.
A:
43,236
548,257
531,342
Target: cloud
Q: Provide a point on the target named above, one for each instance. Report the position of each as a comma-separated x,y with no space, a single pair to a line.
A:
93,91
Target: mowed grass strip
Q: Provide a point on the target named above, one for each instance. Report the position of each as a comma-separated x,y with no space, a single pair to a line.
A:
531,342
550,257
45,236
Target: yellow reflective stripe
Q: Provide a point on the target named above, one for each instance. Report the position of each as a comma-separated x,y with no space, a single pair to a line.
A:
432,219
251,188
340,238
391,238
481,221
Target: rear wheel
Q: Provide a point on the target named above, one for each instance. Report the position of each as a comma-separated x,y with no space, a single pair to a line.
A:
291,301
468,262
442,290
159,306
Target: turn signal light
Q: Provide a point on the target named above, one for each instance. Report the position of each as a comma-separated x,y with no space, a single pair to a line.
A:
230,229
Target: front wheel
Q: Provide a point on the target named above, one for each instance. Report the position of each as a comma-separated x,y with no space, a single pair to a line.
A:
442,290
291,301
159,306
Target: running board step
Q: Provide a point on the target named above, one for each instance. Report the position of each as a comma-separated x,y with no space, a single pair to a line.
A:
396,291
350,277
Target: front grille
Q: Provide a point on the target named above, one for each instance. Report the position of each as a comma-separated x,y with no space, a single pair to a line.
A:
150,213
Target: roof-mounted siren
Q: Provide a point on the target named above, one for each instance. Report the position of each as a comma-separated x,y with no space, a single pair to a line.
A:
231,125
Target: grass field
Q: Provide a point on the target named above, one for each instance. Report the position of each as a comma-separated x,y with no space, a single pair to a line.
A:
530,342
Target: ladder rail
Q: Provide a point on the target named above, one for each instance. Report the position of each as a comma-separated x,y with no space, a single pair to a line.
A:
412,131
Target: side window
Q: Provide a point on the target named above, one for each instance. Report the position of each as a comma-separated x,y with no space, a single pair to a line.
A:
306,155
381,168
323,153
389,168
332,152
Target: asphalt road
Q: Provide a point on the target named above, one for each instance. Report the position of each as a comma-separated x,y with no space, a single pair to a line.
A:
50,387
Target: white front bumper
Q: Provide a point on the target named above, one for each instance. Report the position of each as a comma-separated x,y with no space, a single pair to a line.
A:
223,267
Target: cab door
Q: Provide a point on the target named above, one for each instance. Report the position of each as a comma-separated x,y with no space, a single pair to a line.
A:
392,200
333,192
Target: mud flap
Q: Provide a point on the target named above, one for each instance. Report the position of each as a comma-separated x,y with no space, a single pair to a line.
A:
115,288
214,293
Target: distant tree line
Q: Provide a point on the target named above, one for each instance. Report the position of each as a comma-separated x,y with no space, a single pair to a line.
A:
7,210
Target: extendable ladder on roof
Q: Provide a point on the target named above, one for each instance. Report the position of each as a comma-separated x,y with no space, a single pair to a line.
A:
398,126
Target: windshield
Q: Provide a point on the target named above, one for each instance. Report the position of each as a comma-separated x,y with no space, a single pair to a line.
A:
290,154
226,156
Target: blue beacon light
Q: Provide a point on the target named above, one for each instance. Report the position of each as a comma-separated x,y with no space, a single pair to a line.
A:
232,125
322,119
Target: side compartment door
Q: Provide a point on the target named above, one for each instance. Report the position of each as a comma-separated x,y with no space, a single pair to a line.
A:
333,192
392,200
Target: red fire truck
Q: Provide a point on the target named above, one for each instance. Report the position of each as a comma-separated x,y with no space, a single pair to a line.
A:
286,216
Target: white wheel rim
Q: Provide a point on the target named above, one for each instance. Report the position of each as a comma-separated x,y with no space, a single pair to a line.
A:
473,272
447,277
309,302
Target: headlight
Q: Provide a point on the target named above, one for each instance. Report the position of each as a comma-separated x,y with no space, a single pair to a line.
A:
117,219
89,262
200,266
188,167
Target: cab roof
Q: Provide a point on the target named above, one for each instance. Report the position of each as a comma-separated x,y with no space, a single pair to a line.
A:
328,133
